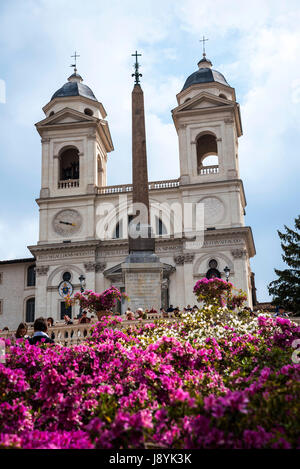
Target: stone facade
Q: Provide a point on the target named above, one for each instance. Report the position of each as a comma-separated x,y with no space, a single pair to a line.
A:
74,213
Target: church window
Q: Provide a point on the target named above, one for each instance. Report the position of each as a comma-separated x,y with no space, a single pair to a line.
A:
207,154
88,112
213,271
66,276
69,164
31,276
222,96
30,310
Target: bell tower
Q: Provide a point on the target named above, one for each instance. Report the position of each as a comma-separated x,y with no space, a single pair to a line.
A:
208,124
75,143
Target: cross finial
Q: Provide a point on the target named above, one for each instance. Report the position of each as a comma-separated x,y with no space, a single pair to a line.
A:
75,64
136,74
203,40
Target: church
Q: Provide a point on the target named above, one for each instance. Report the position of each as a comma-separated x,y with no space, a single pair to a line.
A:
82,243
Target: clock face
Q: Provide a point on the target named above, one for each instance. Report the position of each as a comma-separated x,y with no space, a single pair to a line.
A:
65,288
67,222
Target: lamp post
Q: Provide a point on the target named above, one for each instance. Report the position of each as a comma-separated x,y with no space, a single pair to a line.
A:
82,286
82,283
227,272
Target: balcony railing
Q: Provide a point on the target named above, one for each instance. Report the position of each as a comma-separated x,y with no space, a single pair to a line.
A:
154,185
208,169
69,183
76,333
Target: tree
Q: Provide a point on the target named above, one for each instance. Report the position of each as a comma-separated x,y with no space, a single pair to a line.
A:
286,289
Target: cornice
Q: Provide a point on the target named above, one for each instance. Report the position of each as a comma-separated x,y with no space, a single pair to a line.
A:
198,86
76,245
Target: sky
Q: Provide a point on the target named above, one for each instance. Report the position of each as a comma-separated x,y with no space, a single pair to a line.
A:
255,45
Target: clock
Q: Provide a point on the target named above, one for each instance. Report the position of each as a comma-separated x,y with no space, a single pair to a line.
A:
67,222
214,210
65,288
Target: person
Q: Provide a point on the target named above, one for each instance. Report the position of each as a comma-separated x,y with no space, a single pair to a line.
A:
188,308
21,332
5,329
50,322
40,335
84,319
130,315
153,310
282,312
170,309
139,313
68,321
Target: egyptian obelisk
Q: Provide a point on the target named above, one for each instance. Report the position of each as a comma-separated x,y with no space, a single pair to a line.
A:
142,269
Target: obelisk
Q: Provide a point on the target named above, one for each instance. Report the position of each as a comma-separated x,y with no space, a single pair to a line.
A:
142,269
140,186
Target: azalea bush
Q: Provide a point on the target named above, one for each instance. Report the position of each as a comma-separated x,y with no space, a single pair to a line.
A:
96,302
200,382
219,292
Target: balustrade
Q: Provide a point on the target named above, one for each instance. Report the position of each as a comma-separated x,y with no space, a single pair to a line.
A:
214,169
154,185
68,184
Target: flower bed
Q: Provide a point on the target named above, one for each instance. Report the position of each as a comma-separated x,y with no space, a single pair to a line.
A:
212,380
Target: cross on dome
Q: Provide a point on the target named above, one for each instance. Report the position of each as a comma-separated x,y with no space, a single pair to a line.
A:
75,64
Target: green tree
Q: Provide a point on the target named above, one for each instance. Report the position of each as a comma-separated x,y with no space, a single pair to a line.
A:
286,289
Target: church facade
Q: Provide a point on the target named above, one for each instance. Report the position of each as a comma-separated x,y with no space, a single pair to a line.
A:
83,222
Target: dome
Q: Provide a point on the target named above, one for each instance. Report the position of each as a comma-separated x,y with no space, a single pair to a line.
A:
74,87
205,74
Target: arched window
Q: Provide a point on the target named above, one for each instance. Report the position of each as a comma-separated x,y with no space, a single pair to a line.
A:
66,276
30,310
69,164
222,96
31,276
213,272
207,154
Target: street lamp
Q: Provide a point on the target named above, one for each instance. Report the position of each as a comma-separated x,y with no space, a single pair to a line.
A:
227,272
82,283
82,286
